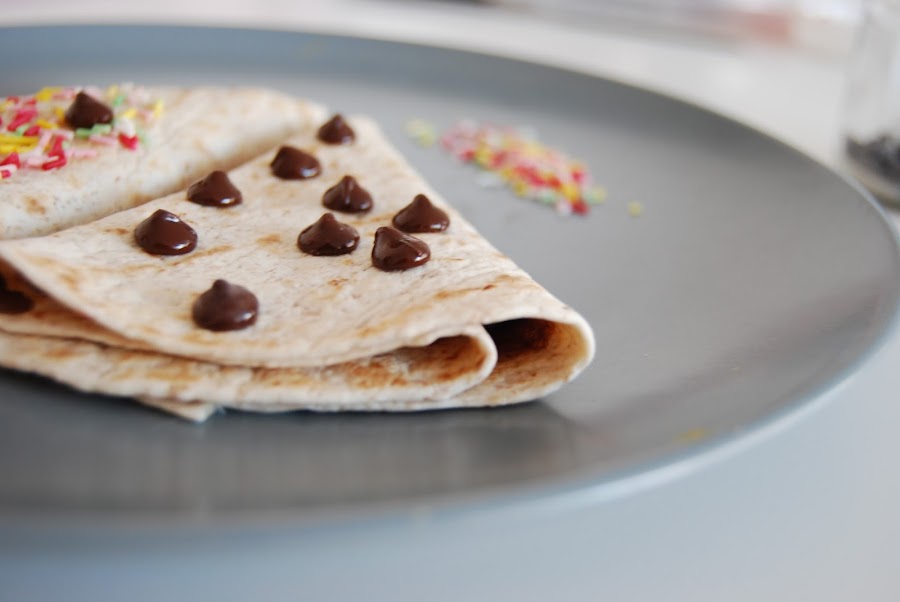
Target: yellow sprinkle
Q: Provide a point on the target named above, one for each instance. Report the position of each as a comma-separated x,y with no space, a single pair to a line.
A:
426,138
482,155
158,108
18,140
129,114
15,148
520,188
532,149
416,126
112,91
45,124
693,435
60,114
635,209
45,94
569,190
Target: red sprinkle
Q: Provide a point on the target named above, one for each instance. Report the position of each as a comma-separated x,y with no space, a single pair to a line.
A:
579,176
54,163
11,159
56,147
33,130
129,142
22,117
579,207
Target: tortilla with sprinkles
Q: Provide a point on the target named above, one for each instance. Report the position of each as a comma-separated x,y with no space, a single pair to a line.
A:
73,155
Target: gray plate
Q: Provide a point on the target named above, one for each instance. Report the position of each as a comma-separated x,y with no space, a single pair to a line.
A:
755,280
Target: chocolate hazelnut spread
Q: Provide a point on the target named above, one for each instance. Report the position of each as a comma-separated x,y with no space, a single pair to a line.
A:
328,237
86,112
215,190
421,216
291,163
336,131
347,196
225,306
395,251
164,233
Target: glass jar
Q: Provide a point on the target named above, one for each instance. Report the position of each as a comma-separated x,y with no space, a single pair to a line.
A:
872,104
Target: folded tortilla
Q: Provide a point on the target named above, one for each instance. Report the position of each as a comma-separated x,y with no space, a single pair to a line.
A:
468,328
193,131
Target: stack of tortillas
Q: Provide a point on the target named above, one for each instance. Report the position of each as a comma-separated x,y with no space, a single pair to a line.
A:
456,325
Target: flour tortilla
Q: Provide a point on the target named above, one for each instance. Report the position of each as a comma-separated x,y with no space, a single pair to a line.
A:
405,376
200,129
115,311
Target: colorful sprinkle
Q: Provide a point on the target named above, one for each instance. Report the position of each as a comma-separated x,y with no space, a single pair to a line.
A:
34,133
129,142
54,163
693,435
11,159
515,158
424,133
635,209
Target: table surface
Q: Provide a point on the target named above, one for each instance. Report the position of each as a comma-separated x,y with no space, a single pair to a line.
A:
806,514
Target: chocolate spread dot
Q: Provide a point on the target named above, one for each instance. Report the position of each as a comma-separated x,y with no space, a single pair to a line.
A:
164,233
215,190
395,251
225,306
336,131
86,112
328,237
347,196
421,216
13,302
291,163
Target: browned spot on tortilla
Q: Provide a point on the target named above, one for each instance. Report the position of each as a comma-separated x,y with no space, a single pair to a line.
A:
505,278
173,373
337,281
373,375
488,287
150,329
120,231
42,261
197,336
60,352
454,368
269,239
69,279
201,253
441,295
34,206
